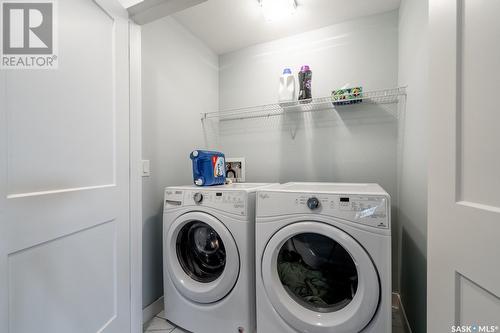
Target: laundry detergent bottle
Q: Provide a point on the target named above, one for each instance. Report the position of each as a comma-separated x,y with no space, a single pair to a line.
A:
287,87
305,82
209,167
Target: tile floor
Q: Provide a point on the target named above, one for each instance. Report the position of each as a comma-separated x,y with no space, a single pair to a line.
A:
160,325
398,323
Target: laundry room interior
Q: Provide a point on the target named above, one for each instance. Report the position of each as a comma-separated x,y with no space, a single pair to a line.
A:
210,79
249,166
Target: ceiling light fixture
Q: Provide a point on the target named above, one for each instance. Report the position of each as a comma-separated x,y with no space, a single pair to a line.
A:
277,9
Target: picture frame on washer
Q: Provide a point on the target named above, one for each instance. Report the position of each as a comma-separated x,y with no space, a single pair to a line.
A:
235,169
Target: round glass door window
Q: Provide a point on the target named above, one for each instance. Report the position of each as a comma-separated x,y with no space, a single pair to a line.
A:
201,252
317,272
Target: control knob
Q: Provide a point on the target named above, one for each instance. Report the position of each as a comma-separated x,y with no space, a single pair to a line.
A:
198,197
313,203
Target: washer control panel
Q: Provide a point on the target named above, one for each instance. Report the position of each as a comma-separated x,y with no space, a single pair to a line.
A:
371,210
228,201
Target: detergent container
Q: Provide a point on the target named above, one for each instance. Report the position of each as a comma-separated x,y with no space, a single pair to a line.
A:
286,91
209,167
305,78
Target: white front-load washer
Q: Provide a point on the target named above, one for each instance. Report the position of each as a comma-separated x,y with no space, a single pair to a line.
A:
323,258
209,257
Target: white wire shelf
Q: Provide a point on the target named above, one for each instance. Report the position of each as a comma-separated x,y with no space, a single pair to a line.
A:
387,96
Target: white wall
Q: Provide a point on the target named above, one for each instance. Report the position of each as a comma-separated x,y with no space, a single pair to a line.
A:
179,80
358,144
413,18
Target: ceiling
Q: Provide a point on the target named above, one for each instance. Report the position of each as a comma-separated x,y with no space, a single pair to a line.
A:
229,25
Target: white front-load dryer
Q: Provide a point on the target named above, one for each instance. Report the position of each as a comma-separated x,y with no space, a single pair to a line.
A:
323,258
209,257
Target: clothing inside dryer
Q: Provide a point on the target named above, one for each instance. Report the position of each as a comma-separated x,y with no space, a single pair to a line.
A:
201,252
317,272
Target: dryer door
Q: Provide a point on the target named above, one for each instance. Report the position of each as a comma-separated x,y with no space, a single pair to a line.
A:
202,257
319,279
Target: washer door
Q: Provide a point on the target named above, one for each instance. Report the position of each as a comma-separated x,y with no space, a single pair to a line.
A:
319,279
202,257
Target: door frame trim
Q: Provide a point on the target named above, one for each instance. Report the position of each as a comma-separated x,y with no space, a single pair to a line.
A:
135,197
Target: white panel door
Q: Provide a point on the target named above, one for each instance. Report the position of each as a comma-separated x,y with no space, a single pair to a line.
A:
464,173
64,181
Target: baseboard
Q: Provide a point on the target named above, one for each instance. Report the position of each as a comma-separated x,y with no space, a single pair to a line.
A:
398,306
152,310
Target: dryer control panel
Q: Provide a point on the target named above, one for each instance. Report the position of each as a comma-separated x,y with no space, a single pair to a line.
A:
234,202
371,210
